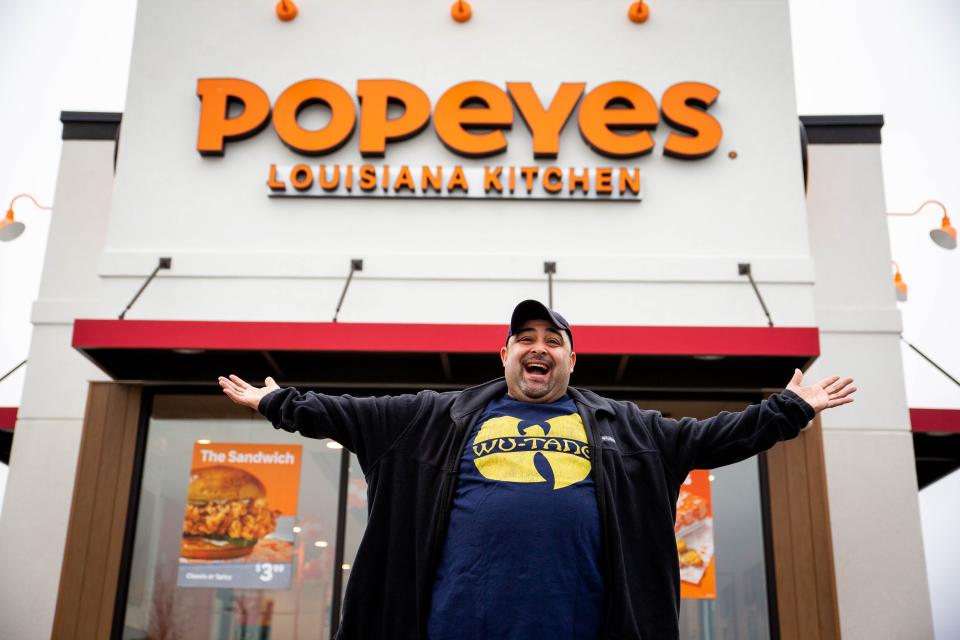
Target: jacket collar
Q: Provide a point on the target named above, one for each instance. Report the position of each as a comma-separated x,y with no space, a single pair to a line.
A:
476,398
590,399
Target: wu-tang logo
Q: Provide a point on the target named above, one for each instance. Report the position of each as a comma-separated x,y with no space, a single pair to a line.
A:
512,450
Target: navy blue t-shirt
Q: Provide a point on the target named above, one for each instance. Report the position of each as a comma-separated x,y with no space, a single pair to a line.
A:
522,556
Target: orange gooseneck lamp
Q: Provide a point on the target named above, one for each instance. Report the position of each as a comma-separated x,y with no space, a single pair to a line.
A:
899,284
10,228
946,235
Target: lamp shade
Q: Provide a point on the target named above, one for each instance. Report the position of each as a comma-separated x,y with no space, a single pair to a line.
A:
901,287
10,229
946,235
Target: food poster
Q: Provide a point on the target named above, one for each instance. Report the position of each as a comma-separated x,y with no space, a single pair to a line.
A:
694,530
238,520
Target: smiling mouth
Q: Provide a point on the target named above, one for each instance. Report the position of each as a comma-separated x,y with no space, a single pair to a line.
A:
538,369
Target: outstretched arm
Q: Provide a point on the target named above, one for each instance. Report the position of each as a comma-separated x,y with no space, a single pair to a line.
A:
366,426
730,437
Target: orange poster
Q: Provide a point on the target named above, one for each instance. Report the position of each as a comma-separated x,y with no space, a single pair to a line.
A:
238,519
694,530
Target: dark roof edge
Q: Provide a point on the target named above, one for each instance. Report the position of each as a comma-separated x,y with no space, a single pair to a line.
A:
843,129
90,125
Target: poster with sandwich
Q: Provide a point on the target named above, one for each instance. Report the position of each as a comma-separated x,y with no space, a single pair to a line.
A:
241,506
694,531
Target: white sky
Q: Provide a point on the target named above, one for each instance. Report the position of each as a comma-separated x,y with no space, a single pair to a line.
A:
851,57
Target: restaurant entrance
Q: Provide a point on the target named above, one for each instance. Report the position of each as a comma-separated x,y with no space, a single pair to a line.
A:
144,442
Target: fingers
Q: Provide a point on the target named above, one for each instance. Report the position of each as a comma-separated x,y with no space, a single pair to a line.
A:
826,382
838,385
230,390
270,382
837,403
239,381
843,394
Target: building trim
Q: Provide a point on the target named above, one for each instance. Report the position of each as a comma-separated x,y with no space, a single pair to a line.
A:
842,129
90,125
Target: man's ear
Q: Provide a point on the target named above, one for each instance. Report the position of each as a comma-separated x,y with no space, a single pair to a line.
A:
573,360
503,356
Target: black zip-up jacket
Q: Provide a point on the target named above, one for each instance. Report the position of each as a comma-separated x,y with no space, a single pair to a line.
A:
409,448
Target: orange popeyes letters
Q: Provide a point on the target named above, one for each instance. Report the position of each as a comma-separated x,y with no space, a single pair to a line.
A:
468,107
615,119
545,125
677,107
376,130
216,125
619,106
303,94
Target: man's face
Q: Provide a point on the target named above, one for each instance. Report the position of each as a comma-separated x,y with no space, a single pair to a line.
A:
537,362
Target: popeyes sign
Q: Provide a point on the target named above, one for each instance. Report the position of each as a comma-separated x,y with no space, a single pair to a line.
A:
615,119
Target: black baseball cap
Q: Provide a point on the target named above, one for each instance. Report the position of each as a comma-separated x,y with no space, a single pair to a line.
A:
536,310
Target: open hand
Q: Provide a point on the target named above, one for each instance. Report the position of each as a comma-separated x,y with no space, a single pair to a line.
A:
246,394
826,394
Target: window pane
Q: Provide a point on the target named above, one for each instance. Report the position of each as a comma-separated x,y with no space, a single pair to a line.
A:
158,608
740,609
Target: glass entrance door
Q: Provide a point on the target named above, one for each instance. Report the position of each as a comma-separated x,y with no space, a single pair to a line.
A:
192,576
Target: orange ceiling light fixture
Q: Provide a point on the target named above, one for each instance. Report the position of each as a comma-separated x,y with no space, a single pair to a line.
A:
10,228
899,284
946,234
286,10
638,12
461,11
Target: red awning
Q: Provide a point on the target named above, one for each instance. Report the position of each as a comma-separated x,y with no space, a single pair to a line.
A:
8,418
431,355
935,420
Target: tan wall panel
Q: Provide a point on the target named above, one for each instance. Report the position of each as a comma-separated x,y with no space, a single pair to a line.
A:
81,512
120,506
802,547
88,581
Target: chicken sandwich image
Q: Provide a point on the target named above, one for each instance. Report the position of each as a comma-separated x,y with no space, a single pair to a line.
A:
226,514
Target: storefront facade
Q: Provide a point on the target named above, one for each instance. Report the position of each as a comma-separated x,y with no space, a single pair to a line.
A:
645,162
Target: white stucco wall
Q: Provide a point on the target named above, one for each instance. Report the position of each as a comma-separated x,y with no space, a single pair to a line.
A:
868,448
670,259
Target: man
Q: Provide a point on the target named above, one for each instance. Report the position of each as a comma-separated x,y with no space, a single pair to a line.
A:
524,508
